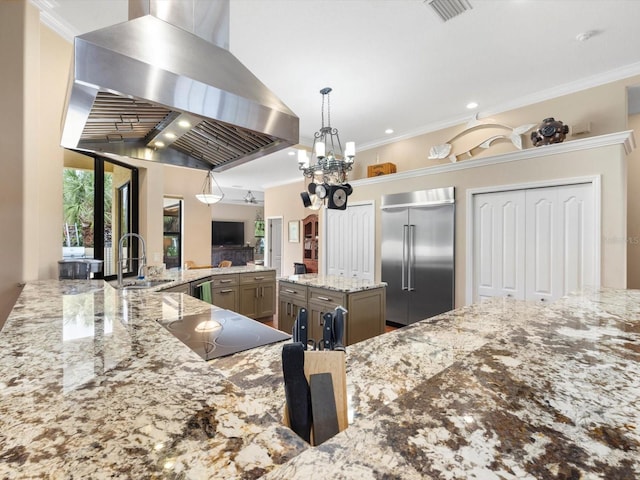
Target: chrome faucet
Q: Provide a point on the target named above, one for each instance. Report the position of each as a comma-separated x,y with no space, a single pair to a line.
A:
142,257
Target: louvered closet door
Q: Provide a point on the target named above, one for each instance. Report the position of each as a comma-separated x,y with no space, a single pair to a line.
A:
560,241
499,243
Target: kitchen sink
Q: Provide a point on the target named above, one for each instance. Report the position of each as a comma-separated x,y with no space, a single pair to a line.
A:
141,284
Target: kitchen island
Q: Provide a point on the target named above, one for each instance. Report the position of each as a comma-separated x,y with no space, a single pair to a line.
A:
93,387
364,300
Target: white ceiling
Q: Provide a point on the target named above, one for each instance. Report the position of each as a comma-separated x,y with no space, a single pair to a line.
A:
396,64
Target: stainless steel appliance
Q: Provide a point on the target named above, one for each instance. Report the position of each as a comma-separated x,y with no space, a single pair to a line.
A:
418,253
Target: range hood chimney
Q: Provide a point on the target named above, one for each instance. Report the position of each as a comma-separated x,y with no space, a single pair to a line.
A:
164,87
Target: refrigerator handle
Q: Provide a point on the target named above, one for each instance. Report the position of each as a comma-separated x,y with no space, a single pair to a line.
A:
405,230
411,260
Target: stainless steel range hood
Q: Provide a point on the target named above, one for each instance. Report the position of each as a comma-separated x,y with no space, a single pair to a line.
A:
137,84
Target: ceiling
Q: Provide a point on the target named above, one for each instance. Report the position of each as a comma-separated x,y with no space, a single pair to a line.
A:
395,64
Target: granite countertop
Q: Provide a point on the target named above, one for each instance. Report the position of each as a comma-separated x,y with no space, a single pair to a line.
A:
333,282
175,277
93,387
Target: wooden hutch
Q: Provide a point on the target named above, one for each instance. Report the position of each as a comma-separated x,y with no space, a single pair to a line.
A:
310,243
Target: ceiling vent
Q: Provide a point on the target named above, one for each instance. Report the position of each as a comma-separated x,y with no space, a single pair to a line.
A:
447,9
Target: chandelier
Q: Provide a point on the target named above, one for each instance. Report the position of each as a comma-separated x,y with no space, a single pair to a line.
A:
329,174
210,194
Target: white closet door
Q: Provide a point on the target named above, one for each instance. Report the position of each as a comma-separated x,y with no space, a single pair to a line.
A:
336,237
544,270
579,250
350,240
535,244
560,241
499,242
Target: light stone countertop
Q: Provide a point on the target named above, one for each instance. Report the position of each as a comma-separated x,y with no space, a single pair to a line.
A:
180,276
333,282
92,387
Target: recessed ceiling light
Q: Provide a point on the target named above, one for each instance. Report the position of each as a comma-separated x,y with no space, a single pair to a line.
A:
388,131
291,153
170,135
159,144
472,105
184,124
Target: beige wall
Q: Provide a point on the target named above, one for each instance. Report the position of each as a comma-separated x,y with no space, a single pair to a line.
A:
633,210
607,162
186,183
285,202
604,106
13,125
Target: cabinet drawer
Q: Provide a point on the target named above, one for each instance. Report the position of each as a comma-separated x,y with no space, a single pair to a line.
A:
326,296
228,280
257,277
293,291
226,297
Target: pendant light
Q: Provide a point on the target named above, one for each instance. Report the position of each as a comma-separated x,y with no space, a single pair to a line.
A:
210,194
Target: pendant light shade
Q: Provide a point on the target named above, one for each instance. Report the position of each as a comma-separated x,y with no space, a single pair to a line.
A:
250,198
211,191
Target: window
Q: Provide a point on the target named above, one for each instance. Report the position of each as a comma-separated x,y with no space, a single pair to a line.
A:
172,241
100,203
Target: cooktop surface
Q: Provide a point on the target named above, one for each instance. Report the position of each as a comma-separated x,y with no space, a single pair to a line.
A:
221,332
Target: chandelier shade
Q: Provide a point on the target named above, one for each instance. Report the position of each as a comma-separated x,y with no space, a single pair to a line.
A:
211,191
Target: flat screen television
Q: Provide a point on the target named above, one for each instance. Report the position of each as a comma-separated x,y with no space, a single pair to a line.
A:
227,233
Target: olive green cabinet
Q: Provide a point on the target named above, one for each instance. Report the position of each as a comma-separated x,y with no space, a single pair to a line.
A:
224,291
257,292
252,294
291,297
365,317
321,301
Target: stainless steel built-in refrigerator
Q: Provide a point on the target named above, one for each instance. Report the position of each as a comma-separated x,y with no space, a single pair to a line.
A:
417,253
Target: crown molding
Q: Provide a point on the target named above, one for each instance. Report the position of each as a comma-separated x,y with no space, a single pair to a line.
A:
625,139
593,81
48,18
